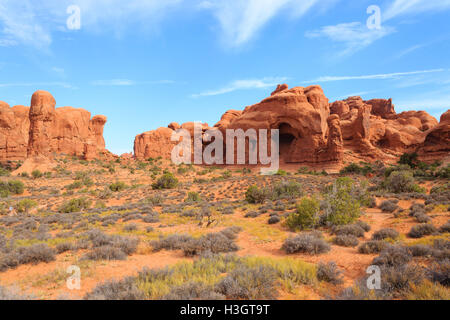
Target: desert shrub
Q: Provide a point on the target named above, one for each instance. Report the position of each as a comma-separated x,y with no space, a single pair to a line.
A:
9,294
339,205
416,208
212,242
420,250
231,232
193,197
256,195
396,279
13,186
64,247
422,218
117,186
75,185
401,181
306,243
440,272
273,220
166,181
427,290
389,205
349,229
109,247
364,225
393,256
105,253
155,200
171,242
258,283
193,291
386,233
445,227
351,168
346,241
23,255
220,242
360,291
75,205
130,227
410,159
372,246
4,172
444,173
287,190
116,290
329,272
421,230
25,205
36,174
306,216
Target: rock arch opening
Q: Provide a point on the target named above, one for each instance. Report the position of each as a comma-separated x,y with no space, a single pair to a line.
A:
287,137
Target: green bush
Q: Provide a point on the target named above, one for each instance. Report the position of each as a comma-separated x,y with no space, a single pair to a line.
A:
75,205
306,216
339,205
117,186
287,190
36,174
4,172
444,173
193,197
411,159
401,181
256,195
25,205
166,181
357,169
13,186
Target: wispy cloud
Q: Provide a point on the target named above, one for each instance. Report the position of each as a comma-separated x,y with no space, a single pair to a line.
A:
383,76
31,23
354,35
19,24
244,85
127,82
403,7
241,20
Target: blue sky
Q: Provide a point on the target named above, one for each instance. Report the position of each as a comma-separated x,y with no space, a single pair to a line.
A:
144,64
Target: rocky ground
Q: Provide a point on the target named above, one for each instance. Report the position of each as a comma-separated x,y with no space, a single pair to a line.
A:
290,236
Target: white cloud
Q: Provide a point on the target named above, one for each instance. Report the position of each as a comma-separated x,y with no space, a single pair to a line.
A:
31,23
354,35
113,82
403,7
382,76
20,24
127,82
244,85
240,20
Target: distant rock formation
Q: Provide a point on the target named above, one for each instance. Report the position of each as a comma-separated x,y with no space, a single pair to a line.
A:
316,132
437,142
43,130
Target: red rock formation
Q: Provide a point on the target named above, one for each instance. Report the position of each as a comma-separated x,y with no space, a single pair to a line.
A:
312,131
14,125
437,142
42,130
153,144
